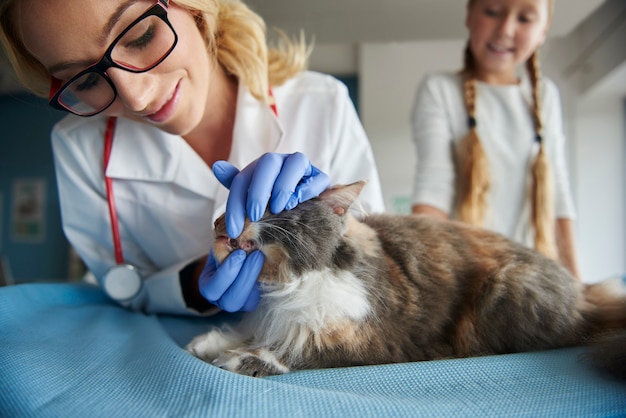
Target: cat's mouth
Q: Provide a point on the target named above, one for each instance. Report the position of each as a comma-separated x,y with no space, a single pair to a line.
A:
236,243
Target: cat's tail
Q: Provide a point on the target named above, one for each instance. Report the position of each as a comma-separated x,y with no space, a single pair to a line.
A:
608,354
605,305
605,314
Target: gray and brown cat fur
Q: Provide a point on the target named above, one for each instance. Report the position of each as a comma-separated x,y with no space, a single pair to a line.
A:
338,291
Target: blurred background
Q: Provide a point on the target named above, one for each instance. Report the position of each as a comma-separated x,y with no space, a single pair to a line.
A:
381,50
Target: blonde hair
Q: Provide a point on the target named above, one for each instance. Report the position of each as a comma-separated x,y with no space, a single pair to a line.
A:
235,36
473,178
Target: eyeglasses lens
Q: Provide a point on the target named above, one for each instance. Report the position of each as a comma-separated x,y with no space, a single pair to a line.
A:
145,45
142,47
88,94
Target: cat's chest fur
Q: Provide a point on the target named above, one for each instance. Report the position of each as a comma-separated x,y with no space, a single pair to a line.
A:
319,297
311,307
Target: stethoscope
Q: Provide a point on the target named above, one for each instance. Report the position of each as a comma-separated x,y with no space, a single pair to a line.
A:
123,282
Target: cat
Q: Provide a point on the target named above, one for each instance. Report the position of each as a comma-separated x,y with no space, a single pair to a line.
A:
339,291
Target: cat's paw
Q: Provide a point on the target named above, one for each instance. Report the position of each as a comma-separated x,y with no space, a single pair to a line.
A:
208,346
249,362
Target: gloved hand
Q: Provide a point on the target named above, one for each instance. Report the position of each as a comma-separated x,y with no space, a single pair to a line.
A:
232,285
283,180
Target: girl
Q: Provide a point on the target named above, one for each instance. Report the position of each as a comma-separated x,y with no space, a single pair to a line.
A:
175,88
490,145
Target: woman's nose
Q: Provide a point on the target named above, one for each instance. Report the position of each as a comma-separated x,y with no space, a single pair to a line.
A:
135,90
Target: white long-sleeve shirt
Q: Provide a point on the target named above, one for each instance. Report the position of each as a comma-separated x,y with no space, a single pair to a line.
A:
507,133
167,197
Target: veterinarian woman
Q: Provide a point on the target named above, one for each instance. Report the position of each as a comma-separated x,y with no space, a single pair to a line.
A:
509,172
162,91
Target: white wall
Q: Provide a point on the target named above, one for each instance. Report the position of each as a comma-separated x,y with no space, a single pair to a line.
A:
389,75
600,162
338,59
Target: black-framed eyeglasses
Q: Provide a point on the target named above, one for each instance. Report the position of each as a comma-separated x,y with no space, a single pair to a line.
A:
143,45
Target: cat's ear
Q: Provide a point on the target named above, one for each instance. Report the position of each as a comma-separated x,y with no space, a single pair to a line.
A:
341,197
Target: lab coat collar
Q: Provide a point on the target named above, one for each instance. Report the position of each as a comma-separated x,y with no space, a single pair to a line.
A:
144,153
147,153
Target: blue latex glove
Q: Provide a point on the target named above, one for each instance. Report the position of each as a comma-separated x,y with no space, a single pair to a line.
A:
283,180
232,285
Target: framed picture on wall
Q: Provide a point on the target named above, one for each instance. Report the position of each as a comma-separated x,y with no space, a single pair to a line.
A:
28,217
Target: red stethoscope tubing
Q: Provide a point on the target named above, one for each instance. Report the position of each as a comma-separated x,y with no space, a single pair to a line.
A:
108,181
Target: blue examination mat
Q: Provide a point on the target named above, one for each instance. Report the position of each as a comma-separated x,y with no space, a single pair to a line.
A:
66,351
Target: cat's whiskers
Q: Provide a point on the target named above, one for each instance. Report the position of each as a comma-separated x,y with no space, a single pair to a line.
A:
295,240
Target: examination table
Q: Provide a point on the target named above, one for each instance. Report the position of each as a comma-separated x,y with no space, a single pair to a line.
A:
66,350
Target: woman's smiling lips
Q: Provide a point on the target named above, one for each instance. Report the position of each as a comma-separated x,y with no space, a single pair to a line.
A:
168,108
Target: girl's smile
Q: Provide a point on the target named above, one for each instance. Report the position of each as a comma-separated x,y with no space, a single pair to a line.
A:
500,49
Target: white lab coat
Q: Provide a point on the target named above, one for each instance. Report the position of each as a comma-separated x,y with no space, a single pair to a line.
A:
167,197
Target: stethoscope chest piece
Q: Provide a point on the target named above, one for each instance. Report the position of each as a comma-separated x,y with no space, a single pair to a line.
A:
122,282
